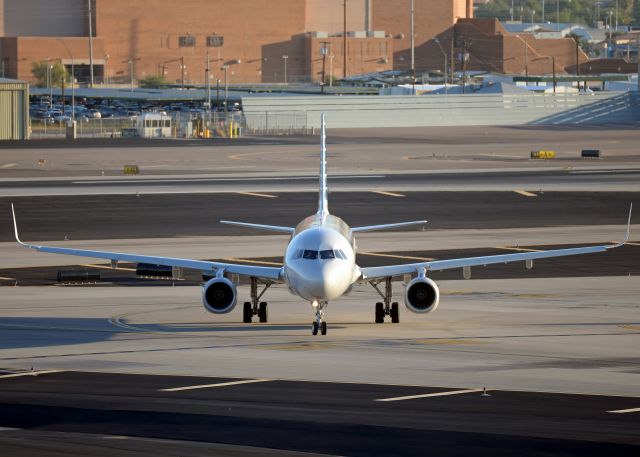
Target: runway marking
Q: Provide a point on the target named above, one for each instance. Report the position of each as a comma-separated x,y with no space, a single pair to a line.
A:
436,394
29,373
509,248
629,327
632,244
390,194
206,180
4,278
106,267
8,429
207,386
9,165
260,262
394,256
257,194
525,193
582,172
625,411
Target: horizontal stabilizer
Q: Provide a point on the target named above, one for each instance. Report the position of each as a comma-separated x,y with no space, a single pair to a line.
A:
271,228
371,228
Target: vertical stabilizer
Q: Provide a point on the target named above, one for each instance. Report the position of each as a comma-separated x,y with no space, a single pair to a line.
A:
323,204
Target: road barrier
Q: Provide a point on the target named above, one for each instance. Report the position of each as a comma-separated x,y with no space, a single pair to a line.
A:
543,154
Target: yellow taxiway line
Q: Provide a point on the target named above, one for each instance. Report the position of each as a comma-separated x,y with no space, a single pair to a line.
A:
257,194
525,193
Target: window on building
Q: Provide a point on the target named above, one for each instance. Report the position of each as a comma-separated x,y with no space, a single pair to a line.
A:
186,41
215,41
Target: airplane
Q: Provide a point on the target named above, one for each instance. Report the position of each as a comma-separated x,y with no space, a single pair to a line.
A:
320,265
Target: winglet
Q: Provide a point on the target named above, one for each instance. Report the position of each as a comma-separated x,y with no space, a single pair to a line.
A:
626,236
15,226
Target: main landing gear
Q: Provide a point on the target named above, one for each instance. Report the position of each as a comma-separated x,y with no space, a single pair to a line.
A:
319,323
256,307
387,308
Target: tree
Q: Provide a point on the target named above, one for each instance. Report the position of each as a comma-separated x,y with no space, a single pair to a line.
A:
40,73
153,81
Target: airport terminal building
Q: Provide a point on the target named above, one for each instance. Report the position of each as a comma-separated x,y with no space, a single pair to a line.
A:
255,41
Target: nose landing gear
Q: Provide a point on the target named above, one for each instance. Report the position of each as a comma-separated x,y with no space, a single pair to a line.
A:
319,323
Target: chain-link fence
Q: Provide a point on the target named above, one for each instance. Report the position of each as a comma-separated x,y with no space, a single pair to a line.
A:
87,128
277,123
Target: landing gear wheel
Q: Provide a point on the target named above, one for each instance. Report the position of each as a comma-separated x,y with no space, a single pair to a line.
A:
263,312
247,312
379,313
323,328
314,328
395,313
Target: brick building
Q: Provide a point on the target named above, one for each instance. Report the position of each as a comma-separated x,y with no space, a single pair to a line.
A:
256,40
174,37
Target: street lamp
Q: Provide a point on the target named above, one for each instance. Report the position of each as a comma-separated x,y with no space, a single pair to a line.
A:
106,70
533,12
225,67
445,64
285,58
182,69
131,72
50,82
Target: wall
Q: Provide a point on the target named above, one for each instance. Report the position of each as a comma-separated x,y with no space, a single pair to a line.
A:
328,15
14,110
451,110
44,18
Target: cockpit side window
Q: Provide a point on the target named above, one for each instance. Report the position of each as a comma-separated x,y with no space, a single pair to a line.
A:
309,254
340,254
327,254
298,254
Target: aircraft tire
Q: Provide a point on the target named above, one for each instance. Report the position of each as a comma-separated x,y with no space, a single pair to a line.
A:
323,328
395,313
379,313
314,328
247,313
263,311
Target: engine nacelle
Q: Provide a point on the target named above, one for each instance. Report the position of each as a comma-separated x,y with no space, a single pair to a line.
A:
421,295
219,295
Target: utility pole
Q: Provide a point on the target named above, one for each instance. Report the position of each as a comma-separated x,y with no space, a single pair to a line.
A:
90,44
553,62
542,12
465,47
526,59
323,51
182,72
226,88
453,56
131,73
413,48
445,64
208,73
577,58
285,57
344,41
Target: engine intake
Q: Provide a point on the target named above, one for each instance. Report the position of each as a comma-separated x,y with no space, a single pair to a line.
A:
422,295
219,296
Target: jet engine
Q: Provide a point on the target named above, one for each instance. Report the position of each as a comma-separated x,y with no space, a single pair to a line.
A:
421,295
219,296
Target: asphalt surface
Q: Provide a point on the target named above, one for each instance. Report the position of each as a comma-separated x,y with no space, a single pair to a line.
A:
157,216
594,180
323,418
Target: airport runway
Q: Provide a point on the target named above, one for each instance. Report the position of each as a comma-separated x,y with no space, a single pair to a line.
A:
587,180
104,414
180,215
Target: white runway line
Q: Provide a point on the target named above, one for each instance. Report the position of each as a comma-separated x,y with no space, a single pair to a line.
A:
257,194
525,193
390,194
207,386
8,429
29,373
625,411
436,394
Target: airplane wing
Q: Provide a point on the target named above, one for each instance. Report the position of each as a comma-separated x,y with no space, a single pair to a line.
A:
271,273
370,273
272,228
371,228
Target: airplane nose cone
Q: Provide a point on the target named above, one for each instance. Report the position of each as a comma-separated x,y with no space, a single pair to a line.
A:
331,282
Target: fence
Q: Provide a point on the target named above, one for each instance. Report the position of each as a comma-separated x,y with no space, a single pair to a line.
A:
442,110
88,128
277,123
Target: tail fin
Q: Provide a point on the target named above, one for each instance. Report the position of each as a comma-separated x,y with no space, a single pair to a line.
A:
323,203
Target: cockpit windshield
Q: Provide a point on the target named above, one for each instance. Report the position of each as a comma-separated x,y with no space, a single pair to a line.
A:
325,254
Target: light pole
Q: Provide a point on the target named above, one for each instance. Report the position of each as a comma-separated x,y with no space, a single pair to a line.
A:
542,19
90,43
182,68
73,80
533,12
131,72
285,58
445,64
50,83
323,51
208,74
413,48
558,14
331,56
106,70
225,67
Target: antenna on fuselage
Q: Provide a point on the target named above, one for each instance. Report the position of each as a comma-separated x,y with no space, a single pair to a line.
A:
323,203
